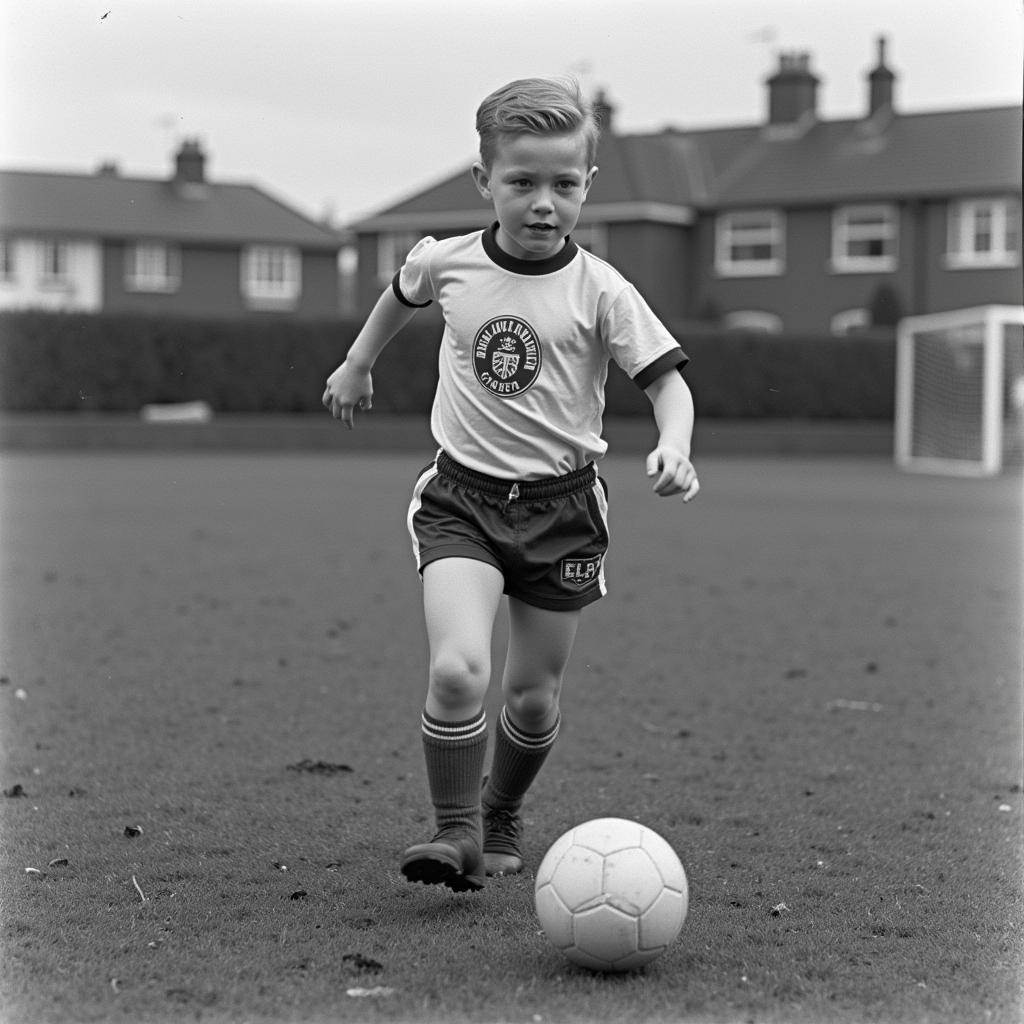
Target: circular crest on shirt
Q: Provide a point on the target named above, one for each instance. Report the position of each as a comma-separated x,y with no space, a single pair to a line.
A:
506,356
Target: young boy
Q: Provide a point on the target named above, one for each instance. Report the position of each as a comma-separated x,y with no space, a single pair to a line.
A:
512,504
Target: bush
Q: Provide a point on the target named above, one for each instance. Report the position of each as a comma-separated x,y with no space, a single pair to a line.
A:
737,375
115,363
63,362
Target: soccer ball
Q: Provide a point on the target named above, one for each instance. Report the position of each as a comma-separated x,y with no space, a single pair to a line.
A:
611,894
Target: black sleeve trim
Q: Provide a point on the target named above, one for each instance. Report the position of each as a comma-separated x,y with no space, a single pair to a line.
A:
674,360
396,288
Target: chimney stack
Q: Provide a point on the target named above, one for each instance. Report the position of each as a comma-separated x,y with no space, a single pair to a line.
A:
190,164
792,92
880,84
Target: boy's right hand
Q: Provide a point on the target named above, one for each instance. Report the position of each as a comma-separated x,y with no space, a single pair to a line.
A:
348,389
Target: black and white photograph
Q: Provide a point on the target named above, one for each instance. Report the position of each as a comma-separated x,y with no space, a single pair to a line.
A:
511,513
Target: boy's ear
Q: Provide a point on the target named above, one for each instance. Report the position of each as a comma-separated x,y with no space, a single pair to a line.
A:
482,180
591,175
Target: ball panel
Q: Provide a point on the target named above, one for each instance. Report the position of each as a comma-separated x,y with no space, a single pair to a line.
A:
666,858
631,881
578,876
605,933
606,835
663,921
637,959
554,917
581,959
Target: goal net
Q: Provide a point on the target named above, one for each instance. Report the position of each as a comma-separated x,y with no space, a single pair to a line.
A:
960,391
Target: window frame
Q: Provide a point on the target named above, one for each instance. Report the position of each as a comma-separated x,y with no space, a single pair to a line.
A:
8,260
271,275
962,217
54,263
771,233
886,229
161,275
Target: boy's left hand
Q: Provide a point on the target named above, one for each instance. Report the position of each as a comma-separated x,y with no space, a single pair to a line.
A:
674,473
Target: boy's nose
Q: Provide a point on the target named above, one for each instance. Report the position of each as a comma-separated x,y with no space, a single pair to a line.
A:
543,201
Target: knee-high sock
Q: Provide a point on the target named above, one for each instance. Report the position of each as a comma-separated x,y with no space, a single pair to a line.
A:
455,753
518,757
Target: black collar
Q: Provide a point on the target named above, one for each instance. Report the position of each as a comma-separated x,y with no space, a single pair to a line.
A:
560,259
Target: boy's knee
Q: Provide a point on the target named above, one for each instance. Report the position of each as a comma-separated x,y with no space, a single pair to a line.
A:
457,680
532,709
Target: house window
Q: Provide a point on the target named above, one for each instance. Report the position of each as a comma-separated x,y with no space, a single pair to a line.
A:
849,321
983,233
152,267
864,238
8,268
752,320
54,271
391,252
271,276
750,243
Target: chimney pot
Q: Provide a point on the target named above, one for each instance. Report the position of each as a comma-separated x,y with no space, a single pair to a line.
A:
881,82
792,90
190,163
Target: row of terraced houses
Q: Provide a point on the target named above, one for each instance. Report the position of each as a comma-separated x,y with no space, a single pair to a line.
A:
795,224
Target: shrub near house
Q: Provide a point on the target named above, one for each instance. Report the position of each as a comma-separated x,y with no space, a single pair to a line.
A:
99,362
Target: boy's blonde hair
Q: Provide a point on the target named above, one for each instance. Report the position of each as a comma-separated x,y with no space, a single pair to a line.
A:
536,106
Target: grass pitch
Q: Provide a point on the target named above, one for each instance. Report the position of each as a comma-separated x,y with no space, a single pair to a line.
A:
809,681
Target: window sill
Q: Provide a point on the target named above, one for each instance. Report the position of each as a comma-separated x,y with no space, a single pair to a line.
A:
1005,262
264,304
152,287
773,269
879,266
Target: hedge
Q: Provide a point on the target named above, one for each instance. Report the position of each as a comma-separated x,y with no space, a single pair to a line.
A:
117,363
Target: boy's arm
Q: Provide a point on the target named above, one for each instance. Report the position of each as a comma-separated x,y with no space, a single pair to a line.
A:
673,412
350,387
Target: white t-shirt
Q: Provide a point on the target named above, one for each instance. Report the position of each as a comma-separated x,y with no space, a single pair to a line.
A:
524,356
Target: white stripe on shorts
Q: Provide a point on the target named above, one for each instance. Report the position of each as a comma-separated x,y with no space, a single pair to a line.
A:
416,503
602,507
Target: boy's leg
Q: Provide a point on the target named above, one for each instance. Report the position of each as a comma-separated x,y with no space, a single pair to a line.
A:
540,643
460,600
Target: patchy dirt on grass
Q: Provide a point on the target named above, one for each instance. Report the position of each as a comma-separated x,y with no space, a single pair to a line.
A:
212,672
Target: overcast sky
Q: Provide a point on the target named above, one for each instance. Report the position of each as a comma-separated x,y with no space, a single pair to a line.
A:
348,105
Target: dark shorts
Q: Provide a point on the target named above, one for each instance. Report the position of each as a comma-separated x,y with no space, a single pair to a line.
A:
548,537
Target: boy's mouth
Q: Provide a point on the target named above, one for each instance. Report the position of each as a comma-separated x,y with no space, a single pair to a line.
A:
542,228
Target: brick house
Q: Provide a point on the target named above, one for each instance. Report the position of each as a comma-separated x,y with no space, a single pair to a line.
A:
184,245
795,224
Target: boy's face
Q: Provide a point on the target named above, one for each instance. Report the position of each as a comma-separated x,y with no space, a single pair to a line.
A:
537,184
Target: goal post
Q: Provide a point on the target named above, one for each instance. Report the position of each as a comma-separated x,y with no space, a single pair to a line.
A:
960,391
